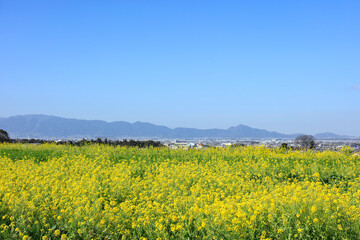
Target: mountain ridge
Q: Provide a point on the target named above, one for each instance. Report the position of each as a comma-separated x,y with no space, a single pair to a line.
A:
52,127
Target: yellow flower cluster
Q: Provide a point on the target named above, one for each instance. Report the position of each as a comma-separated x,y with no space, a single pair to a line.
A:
104,192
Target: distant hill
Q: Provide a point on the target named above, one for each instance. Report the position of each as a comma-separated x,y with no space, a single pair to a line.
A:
330,136
51,127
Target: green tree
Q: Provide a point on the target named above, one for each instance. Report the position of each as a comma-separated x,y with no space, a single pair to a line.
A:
4,136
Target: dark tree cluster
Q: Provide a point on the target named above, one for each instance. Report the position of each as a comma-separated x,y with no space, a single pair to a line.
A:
125,142
4,136
285,146
141,144
129,143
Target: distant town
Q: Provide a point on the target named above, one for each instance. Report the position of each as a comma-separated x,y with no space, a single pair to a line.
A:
320,145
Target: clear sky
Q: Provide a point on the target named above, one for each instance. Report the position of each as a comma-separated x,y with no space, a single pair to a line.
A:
286,66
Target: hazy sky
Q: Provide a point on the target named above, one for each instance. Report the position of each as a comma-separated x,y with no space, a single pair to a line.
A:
287,66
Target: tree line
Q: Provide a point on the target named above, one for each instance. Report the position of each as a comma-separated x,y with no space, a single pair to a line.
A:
4,137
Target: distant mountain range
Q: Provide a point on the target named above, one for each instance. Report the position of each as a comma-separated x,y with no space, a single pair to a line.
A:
52,127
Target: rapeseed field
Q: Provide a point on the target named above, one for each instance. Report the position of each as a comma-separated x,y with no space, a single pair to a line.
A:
103,192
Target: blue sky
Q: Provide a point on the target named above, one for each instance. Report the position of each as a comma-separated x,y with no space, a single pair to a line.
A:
287,66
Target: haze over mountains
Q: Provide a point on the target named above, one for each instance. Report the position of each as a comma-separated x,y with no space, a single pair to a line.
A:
52,127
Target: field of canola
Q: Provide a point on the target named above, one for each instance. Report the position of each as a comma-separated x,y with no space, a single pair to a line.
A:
103,192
